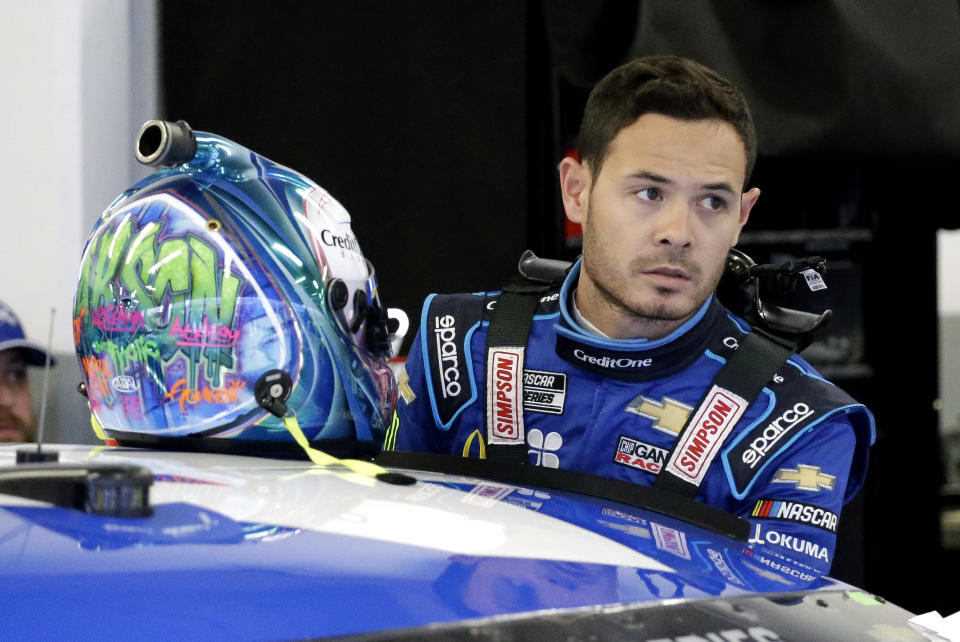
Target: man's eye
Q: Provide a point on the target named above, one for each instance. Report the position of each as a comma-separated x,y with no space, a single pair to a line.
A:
649,194
14,378
713,203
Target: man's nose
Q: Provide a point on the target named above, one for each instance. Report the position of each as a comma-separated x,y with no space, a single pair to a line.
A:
673,225
7,393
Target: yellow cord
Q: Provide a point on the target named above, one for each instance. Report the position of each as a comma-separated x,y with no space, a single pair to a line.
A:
320,458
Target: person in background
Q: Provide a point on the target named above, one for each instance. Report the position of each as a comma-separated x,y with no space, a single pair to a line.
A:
16,354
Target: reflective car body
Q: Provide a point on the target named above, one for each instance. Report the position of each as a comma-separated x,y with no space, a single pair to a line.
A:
254,548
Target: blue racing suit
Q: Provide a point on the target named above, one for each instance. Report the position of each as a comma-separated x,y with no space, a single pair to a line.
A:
614,408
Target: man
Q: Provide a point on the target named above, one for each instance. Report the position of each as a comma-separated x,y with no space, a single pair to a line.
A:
16,353
622,371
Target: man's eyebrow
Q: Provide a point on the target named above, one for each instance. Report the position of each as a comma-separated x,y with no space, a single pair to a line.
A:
718,187
657,178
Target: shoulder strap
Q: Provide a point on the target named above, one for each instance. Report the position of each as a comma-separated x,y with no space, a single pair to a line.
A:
739,382
507,337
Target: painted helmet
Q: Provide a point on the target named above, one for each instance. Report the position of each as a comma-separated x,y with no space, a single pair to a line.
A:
224,294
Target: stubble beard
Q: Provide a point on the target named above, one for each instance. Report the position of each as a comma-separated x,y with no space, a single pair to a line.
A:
8,420
658,313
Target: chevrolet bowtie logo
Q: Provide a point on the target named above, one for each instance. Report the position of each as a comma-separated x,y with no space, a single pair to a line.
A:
403,387
668,417
805,477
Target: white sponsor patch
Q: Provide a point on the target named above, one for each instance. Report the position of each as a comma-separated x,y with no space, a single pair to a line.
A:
544,391
640,455
125,383
670,540
505,396
814,280
486,495
714,419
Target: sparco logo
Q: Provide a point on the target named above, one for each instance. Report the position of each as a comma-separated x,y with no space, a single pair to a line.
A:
715,418
776,429
448,362
344,242
610,362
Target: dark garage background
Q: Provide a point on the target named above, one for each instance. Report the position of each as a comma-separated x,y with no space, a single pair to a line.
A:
439,125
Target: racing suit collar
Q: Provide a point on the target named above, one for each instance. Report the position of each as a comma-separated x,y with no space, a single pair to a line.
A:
633,359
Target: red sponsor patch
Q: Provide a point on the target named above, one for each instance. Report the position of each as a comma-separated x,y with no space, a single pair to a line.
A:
700,442
505,396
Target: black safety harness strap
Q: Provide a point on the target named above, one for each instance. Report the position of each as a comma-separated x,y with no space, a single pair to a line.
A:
507,337
738,383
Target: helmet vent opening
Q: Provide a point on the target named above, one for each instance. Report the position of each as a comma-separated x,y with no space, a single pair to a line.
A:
150,141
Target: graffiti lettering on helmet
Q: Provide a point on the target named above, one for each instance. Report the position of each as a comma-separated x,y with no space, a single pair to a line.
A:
131,407
98,377
137,351
206,335
78,327
220,396
182,274
116,318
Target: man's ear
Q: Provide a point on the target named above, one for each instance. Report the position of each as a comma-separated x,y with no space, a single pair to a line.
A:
574,189
747,201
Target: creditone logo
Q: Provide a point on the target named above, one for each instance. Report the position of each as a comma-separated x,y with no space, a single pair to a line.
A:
345,242
544,299
622,363
791,542
504,403
795,512
700,442
640,455
544,391
805,478
448,360
774,432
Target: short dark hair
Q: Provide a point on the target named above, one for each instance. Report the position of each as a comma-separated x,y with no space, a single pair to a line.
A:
670,85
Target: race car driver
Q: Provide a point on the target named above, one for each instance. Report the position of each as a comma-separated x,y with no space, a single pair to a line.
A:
621,371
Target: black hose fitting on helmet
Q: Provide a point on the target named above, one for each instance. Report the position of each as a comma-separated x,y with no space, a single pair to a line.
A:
162,143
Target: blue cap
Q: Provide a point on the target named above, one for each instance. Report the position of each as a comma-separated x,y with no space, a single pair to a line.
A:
12,337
